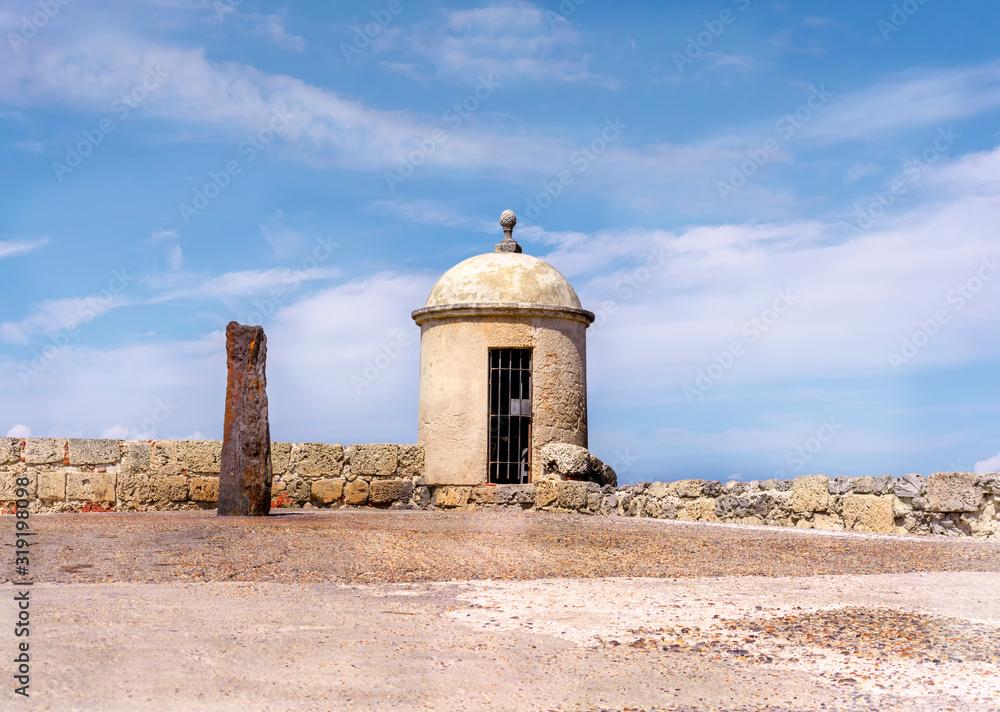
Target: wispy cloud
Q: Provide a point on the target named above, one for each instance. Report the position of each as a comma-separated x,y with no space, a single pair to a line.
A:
18,246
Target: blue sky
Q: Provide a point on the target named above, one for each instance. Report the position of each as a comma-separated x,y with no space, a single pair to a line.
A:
784,214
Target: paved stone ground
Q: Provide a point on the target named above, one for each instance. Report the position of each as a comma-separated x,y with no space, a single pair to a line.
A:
369,609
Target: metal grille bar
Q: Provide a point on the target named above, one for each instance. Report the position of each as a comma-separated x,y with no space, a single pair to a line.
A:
510,416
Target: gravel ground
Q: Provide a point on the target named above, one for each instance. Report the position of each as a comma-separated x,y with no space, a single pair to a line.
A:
492,610
378,546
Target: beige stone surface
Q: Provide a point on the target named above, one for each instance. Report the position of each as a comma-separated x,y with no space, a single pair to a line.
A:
10,450
163,459
327,491
136,456
201,456
411,461
484,494
810,493
503,278
545,493
827,522
8,482
317,460
86,451
453,422
356,492
863,485
451,497
90,486
698,510
52,485
170,488
571,495
869,513
40,451
134,487
374,459
685,488
281,455
658,489
204,489
954,492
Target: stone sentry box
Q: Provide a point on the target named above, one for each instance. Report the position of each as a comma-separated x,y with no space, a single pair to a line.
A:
500,300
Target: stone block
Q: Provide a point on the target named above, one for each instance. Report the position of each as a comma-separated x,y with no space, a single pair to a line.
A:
281,455
422,496
327,491
83,451
136,456
571,495
954,492
593,501
545,493
298,489
90,486
840,485
651,508
204,489
515,494
863,485
52,485
736,488
316,460
411,461
827,522
884,484
170,488
485,494
374,459
990,483
451,497
688,489
869,513
384,492
711,488
810,493
609,505
201,456
163,458
356,492
658,489
910,486
134,487
565,460
10,450
44,451
699,510
769,485
8,483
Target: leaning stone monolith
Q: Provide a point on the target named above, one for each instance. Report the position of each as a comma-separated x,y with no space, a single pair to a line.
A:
245,470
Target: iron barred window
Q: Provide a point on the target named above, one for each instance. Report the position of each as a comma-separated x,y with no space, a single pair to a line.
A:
510,416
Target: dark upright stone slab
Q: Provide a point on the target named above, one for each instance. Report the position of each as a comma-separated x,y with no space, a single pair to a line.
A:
245,471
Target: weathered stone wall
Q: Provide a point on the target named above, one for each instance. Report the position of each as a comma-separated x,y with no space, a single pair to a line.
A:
70,475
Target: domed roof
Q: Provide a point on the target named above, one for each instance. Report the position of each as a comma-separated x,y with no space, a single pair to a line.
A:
504,278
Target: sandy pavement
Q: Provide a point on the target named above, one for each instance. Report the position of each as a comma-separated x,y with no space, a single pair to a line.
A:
904,637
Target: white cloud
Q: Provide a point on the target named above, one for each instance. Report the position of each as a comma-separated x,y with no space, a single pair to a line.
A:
54,315
514,39
18,246
988,465
19,431
271,28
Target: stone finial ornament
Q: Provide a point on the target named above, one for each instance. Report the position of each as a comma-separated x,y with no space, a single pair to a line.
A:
507,221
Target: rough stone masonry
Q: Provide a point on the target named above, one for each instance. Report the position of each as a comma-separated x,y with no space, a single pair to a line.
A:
82,475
